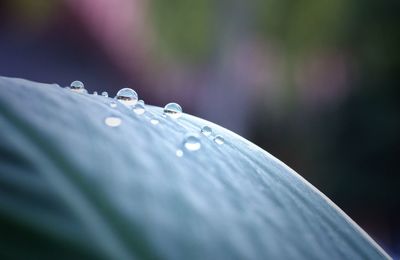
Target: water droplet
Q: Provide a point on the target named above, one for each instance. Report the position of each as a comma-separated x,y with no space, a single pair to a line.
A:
95,93
113,121
104,94
173,110
77,86
192,142
127,96
141,102
219,139
67,87
154,121
139,109
206,130
113,104
179,153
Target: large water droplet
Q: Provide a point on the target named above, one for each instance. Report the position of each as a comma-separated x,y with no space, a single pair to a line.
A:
219,139
173,110
206,130
77,86
127,96
113,121
139,108
192,142
104,94
179,153
154,121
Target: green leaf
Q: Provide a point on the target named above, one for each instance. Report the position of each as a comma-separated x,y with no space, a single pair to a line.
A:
72,187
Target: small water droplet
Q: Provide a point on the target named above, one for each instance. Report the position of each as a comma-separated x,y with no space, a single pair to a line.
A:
127,96
206,130
67,87
113,104
139,109
192,142
179,153
77,86
113,121
141,102
154,121
95,93
104,94
219,139
173,110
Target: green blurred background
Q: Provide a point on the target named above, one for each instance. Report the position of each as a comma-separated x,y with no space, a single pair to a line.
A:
314,82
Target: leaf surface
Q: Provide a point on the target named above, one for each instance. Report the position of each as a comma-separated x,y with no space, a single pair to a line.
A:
70,187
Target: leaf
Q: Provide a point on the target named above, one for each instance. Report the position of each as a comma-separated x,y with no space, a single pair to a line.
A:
72,187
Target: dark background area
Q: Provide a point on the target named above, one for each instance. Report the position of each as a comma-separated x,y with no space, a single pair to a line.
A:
313,82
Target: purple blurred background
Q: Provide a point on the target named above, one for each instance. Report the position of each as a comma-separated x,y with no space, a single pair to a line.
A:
315,83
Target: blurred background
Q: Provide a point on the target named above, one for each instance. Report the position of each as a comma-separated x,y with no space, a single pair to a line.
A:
314,82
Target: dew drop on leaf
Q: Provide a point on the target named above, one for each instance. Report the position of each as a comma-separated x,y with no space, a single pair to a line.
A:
154,121
179,153
139,109
77,86
219,139
206,130
192,142
173,110
113,104
113,121
127,96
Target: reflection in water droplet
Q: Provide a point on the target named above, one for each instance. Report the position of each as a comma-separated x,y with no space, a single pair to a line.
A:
219,139
127,96
154,121
179,153
77,86
113,104
113,121
206,130
173,110
104,94
192,142
139,109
